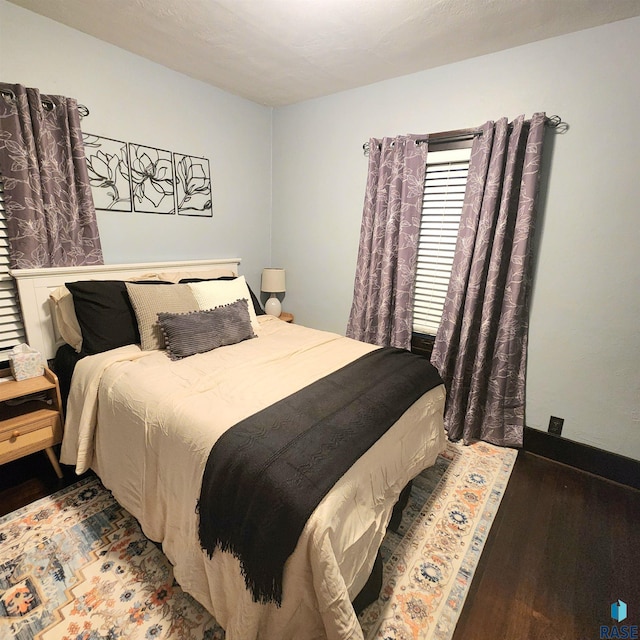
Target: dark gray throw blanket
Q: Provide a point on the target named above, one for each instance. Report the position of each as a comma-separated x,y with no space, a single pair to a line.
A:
266,475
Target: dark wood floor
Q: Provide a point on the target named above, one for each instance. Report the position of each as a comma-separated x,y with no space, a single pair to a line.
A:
563,547
29,479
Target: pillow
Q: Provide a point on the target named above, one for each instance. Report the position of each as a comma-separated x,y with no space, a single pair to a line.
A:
215,293
104,315
257,307
203,274
65,318
186,334
148,301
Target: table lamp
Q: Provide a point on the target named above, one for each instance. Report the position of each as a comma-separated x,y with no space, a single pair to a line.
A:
273,282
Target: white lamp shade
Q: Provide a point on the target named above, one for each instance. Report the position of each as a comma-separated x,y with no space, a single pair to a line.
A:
273,281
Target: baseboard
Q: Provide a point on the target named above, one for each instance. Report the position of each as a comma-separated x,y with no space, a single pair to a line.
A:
611,466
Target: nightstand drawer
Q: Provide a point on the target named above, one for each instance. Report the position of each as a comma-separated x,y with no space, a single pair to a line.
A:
29,438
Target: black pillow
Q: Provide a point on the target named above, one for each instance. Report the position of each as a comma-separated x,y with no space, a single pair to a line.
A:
256,303
105,315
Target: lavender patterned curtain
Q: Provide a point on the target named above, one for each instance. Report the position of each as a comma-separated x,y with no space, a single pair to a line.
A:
51,220
481,345
381,312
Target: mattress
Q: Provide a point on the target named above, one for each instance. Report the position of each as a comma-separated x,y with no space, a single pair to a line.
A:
146,425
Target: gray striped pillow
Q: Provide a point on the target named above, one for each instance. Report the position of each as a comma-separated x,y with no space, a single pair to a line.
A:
186,334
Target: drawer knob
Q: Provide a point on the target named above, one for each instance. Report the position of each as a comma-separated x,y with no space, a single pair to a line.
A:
15,434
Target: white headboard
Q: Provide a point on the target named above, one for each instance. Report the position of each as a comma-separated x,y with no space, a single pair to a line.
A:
35,285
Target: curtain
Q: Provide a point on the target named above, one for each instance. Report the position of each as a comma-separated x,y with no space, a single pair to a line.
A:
481,346
51,220
381,312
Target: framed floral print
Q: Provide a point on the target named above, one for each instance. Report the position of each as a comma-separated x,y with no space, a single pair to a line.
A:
152,184
193,185
134,177
108,167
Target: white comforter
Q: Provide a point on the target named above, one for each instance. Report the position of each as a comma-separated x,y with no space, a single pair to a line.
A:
146,425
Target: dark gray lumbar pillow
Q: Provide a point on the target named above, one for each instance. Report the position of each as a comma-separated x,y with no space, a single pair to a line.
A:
186,334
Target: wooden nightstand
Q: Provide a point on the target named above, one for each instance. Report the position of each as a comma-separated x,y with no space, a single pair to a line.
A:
286,317
32,425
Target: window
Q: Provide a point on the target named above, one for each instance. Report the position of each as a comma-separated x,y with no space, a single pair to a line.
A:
444,187
11,326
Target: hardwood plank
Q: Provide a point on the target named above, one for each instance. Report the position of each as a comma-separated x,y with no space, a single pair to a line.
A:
31,478
562,548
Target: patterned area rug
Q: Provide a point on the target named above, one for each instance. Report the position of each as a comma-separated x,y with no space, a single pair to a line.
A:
429,564
76,566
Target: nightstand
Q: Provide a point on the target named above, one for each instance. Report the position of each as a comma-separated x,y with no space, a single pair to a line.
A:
286,317
33,424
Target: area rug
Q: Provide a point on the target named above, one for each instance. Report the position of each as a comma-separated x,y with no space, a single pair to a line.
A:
76,566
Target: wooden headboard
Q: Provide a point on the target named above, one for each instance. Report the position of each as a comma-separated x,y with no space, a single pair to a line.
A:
35,285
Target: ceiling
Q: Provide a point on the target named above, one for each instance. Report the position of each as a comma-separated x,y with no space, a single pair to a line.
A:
279,52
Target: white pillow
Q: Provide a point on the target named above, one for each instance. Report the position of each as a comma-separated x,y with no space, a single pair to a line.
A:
176,276
64,314
215,293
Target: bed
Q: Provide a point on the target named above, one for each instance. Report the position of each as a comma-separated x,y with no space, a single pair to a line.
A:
146,424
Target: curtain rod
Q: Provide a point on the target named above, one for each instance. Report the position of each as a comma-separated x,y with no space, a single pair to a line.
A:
461,135
47,104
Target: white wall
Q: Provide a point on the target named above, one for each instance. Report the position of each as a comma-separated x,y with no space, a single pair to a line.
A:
584,356
135,100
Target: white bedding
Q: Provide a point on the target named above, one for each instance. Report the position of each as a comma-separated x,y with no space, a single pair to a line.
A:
146,425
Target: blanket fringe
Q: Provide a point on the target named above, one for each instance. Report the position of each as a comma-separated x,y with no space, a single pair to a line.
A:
264,587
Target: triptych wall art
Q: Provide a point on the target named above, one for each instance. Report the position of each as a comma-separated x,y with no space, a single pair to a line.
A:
133,177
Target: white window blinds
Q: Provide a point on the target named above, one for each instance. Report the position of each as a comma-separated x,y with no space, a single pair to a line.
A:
444,187
11,326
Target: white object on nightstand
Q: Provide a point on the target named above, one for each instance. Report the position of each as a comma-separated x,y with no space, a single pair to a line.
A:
273,281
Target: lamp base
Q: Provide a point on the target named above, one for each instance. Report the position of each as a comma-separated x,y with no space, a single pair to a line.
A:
272,306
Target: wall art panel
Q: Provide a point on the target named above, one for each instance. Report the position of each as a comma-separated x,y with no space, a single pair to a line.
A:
108,166
152,182
193,185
